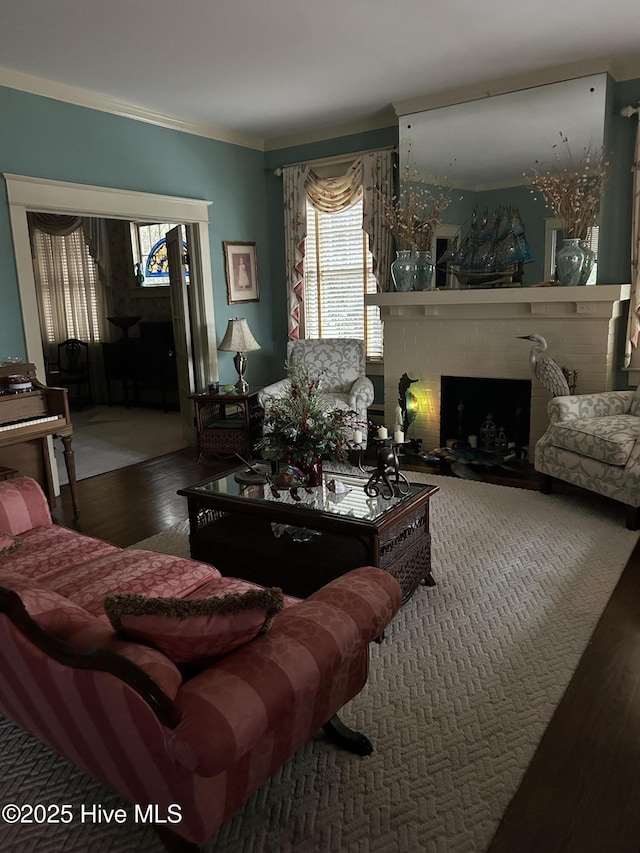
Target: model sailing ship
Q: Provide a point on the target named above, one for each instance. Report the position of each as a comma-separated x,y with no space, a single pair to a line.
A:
493,252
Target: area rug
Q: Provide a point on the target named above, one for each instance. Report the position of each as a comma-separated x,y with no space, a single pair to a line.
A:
106,438
459,694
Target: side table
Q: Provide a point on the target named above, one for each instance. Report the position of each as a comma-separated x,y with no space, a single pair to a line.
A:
227,424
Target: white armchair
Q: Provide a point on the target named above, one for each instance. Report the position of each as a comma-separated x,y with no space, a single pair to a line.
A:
342,363
593,441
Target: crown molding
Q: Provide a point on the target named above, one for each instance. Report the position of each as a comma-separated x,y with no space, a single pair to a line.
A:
626,68
621,68
85,98
384,118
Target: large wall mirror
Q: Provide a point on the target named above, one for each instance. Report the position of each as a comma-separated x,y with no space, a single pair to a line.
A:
487,147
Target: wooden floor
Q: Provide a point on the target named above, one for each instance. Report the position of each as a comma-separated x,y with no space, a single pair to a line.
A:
581,793
130,504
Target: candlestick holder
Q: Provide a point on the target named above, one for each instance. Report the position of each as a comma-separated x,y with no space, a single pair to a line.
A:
386,479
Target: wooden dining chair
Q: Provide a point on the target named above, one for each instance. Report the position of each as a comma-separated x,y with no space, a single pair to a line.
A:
73,369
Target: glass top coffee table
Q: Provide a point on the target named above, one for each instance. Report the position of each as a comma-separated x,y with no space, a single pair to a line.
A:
301,539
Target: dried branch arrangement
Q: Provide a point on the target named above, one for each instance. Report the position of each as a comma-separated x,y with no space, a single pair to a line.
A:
572,189
413,215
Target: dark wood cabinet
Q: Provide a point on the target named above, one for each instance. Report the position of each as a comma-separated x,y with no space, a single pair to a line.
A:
143,369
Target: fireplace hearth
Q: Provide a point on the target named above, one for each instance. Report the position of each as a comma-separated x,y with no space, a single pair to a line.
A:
468,403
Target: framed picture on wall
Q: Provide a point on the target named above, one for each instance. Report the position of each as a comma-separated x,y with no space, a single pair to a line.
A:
242,272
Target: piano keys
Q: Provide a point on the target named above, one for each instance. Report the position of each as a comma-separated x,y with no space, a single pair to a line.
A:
27,419
29,422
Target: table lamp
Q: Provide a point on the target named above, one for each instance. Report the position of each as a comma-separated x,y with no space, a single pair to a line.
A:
238,339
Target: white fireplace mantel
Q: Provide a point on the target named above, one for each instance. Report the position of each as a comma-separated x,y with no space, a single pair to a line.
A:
474,333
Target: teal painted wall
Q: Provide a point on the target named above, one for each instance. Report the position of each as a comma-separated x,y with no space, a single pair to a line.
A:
45,138
49,139
614,249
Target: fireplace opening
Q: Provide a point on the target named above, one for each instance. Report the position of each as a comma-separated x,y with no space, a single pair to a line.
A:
494,412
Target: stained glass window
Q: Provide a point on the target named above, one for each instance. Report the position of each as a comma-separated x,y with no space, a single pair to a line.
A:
150,251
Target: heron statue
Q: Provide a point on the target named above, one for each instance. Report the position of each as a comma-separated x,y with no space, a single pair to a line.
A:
546,369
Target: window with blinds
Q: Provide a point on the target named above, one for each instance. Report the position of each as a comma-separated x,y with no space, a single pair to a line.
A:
593,235
67,277
338,271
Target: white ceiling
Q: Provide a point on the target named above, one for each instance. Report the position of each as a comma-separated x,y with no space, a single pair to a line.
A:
274,69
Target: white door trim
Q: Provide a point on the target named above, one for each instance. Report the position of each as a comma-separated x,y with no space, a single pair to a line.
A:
26,194
182,329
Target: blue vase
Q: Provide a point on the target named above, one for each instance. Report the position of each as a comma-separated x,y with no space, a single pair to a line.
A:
424,271
589,261
569,262
403,271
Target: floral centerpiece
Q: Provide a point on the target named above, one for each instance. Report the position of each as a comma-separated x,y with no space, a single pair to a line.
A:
573,188
301,427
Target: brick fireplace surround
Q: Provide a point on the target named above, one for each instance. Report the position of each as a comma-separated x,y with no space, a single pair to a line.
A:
474,333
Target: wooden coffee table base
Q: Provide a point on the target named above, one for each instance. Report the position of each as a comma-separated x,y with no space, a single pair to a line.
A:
234,525
243,545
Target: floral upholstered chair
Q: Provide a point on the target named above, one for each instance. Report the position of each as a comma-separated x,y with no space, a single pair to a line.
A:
593,441
341,363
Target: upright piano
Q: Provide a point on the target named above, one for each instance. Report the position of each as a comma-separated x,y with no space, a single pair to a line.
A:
27,418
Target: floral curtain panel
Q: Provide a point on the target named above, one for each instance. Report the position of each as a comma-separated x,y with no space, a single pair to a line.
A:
372,175
633,331
378,185
295,229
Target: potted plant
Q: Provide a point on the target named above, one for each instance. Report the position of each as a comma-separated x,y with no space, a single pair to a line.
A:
301,428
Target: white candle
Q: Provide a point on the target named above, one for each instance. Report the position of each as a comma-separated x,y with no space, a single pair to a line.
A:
382,432
473,440
398,436
357,436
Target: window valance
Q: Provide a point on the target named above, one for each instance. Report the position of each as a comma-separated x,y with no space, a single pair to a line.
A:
371,175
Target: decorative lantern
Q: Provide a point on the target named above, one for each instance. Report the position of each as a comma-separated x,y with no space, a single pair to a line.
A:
488,433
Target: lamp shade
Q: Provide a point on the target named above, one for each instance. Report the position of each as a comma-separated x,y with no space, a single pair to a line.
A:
238,337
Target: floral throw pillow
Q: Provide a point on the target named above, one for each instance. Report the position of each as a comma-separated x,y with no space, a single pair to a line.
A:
194,631
8,543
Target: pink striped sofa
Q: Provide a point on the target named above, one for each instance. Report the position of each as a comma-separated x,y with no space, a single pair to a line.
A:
194,747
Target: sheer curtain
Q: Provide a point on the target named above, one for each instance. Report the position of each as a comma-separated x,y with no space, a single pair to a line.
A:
371,173
73,302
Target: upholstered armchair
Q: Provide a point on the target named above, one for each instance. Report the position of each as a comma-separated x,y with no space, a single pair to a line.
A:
593,441
341,362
